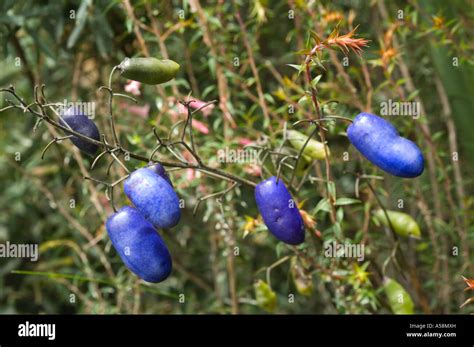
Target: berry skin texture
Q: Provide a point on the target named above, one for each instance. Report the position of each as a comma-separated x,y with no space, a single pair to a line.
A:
380,143
79,122
139,245
279,211
149,70
154,197
160,170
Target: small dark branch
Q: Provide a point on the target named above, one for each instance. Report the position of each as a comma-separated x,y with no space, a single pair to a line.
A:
96,180
301,153
111,116
126,97
189,123
190,150
158,138
314,98
281,163
119,162
394,234
177,155
109,188
174,126
109,166
107,150
204,106
213,172
97,159
153,152
53,141
7,108
218,194
21,54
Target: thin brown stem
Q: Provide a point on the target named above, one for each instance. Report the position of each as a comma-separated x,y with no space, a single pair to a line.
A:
322,136
253,66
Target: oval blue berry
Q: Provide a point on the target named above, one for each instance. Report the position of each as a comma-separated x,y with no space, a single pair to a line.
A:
154,197
79,122
139,245
279,211
160,170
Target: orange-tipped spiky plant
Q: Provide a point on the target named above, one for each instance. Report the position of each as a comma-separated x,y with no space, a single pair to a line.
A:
470,286
346,43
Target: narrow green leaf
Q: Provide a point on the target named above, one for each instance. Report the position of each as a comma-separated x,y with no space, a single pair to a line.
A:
413,94
346,201
332,189
323,205
315,37
81,18
315,80
340,215
303,52
299,68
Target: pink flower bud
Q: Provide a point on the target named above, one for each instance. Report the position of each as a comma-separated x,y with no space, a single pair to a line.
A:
133,87
141,111
196,104
244,141
201,127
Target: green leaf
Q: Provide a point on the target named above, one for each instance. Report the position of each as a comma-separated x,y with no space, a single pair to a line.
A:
208,90
413,94
79,278
304,100
315,80
40,42
323,205
299,68
398,298
332,189
129,25
211,63
6,5
340,215
80,23
104,34
401,82
279,249
346,201
303,52
269,98
266,298
315,37
319,63
336,229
